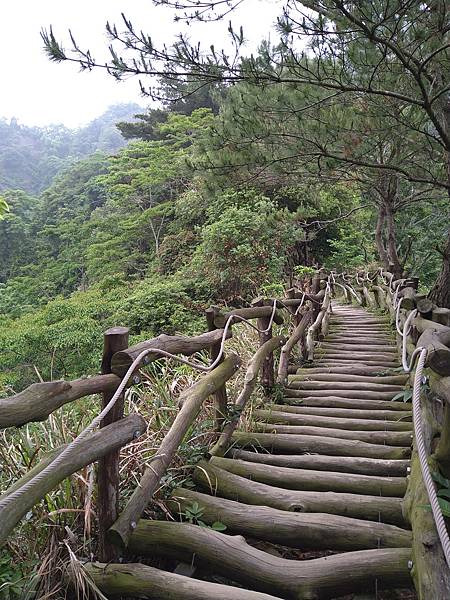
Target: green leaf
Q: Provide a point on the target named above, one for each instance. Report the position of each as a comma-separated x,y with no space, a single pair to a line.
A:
445,507
218,526
444,493
442,481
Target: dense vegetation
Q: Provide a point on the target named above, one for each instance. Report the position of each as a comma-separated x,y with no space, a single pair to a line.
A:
247,168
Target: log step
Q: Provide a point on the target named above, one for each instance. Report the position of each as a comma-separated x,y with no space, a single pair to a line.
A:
321,462
295,530
287,418
313,481
392,438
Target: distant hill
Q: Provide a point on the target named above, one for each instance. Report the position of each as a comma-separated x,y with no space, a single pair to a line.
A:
31,156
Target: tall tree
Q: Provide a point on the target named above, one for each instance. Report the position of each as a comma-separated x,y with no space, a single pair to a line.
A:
391,54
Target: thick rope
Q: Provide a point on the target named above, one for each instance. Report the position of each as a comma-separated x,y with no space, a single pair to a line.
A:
423,458
421,353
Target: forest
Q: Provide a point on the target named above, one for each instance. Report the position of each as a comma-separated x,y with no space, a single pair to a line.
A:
242,173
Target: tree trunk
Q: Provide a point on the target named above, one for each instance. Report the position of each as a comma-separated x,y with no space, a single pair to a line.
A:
382,253
440,294
395,265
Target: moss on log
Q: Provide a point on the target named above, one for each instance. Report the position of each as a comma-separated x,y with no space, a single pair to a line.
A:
320,462
232,557
99,444
286,418
297,530
351,413
392,438
191,401
358,506
317,444
141,581
314,481
39,400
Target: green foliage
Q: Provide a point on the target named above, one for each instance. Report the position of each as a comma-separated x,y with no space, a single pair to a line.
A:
244,249
193,514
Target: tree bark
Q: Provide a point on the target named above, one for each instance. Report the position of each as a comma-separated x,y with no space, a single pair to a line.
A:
296,530
358,506
141,581
232,557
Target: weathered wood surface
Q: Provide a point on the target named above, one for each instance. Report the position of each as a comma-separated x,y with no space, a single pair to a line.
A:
39,400
99,444
251,377
358,506
174,344
253,312
289,442
232,557
314,481
108,478
297,530
142,581
191,401
286,418
392,438
296,336
321,462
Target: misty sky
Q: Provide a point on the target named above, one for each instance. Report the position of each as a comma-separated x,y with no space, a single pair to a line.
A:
38,92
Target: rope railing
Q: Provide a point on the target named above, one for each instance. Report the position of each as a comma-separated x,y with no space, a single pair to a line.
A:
418,358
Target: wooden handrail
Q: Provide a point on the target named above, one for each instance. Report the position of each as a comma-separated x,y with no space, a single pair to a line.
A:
91,449
191,401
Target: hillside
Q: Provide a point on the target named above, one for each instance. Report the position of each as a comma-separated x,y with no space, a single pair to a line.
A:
31,156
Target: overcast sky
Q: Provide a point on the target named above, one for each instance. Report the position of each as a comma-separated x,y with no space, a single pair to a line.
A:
38,92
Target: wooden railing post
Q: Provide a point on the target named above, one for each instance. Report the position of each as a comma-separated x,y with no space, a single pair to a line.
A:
114,340
267,370
220,397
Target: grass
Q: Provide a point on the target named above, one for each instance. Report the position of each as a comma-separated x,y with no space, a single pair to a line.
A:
61,530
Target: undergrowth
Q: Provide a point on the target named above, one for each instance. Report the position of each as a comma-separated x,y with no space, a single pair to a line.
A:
62,528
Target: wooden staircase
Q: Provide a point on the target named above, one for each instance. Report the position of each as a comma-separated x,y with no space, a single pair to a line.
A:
311,497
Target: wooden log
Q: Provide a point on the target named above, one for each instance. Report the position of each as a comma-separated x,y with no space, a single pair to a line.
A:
346,413
251,376
296,336
442,316
338,402
232,557
39,400
392,438
305,385
268,364
254,312
297,530
175,344
366,370
191,401
409,297
306,375
430,571
288,442
436,339
425,308
358,506
313,481
294,391
142,581
108,478
333,347
91,449
356,341
320,462
220,396
286,418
